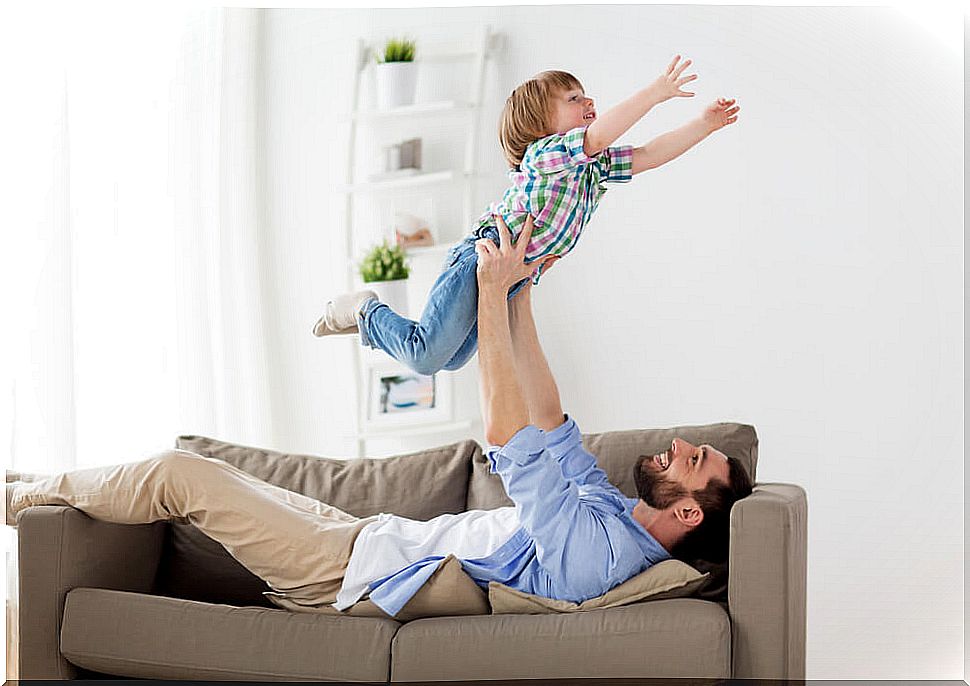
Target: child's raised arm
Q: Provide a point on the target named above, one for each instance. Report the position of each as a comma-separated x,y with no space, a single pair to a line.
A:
672,144
616,121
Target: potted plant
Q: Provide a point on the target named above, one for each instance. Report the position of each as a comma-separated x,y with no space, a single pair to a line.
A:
385,272
397,74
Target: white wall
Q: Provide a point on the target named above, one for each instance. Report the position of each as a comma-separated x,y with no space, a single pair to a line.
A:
800,271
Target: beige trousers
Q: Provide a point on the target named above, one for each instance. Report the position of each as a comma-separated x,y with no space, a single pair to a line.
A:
299,546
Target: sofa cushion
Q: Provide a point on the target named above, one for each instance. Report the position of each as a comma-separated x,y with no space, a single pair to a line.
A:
449,592
617,451
685,637
360,486
195,567
668,579
150,637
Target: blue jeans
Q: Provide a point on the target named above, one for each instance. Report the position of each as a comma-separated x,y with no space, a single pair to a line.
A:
447,335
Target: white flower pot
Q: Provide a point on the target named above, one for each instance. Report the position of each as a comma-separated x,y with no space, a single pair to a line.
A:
394,294
396,83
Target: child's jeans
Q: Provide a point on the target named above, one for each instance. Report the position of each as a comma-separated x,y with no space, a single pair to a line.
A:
447,335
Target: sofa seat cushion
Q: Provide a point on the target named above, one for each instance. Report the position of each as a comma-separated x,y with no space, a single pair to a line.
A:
151,637
685,637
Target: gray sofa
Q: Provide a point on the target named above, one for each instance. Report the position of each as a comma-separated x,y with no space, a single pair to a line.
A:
163,601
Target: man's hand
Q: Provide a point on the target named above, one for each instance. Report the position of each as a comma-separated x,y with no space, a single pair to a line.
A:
719,114
501,267
668,84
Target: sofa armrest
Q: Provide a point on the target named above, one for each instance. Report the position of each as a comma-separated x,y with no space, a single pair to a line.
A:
766,583
61,548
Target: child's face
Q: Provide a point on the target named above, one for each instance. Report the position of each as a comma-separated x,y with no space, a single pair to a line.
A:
571,109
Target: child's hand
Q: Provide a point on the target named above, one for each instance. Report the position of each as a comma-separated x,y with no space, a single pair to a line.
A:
720,113
668,85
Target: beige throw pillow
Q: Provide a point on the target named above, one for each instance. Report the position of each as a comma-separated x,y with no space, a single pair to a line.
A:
449,592
667,579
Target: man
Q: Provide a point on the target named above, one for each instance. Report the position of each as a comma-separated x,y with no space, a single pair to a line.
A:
571,535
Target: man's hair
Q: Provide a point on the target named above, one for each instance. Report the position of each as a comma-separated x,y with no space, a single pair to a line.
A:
709,540
527,115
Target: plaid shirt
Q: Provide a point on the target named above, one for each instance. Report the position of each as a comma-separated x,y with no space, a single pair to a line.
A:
561,187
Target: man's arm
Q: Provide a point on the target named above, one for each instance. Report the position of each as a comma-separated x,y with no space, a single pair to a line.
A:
616,121
672,144
563,526
538,383
504,408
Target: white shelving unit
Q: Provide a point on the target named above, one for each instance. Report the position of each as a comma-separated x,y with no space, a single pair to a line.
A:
428,182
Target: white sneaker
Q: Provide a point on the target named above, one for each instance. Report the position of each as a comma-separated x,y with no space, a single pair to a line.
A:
340,315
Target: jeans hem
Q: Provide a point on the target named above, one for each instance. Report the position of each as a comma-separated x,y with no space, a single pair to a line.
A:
363,318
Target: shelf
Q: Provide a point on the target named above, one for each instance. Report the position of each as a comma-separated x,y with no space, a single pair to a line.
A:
415,110
440,248
405,182
400,431
359,187
446,56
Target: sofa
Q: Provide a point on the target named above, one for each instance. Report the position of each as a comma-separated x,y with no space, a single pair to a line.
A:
163,601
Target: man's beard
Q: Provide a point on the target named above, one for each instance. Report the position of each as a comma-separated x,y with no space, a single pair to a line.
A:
654,488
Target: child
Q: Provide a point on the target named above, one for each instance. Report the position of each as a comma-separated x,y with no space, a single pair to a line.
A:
559,155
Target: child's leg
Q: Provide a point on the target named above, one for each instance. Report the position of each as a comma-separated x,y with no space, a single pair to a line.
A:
298,545
465,352
449,316
470,346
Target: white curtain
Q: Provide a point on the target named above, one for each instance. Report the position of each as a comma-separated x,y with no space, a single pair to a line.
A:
140,287
131,240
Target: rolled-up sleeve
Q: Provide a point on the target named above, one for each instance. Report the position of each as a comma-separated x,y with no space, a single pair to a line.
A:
549,506
565,444
559,152
616,163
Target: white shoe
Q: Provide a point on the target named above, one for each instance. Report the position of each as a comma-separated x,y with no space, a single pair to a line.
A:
340,315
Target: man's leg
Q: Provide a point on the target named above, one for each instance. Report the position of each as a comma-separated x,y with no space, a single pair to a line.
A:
298,545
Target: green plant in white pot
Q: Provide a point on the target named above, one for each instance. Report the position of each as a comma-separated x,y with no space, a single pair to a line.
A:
385,271
397,74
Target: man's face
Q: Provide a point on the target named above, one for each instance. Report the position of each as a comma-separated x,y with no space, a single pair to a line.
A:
673,474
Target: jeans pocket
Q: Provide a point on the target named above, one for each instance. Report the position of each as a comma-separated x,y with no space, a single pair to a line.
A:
457,252
450,258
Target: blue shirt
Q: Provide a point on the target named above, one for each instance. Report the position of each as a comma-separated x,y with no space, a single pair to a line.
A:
576,538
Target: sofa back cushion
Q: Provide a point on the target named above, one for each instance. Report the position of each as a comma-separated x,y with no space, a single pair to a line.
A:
419,485
617,451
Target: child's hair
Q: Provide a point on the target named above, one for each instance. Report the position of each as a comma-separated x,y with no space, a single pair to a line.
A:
527,115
